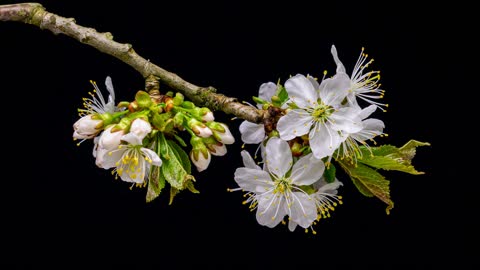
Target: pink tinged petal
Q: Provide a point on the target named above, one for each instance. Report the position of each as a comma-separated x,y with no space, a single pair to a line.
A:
226,137
219,150
152,156
346,119
366,112
301,91
324,140
340,67
253,180
86,127
132,139
248,161
334,90
208,117
294,124
266,91
95,146
307,170
279,157
271,209
107,159
202,163
251,132
302,209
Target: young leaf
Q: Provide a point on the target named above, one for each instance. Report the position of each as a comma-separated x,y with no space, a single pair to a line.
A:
156,182
369,182
181,155
173,192
174,169
388,157
281,94
143,99
329,174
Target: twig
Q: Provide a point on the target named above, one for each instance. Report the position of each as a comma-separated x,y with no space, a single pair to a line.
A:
34,13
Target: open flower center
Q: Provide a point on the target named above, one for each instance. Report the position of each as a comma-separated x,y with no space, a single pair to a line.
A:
322,112
282,185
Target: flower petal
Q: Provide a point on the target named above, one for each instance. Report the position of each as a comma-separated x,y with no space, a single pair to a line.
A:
334,90
279,157
366,112
132,139
292,225
152,156
340,66
107,159
307,170
346,119
302,209
301,91
251,132
266,91
324,187
248,161
271,209
324,140
294,124
253,180
371,128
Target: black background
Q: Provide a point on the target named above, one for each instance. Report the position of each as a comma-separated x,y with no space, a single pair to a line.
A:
59,206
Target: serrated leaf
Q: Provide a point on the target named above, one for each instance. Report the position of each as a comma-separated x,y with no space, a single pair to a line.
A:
156,182
388,157
181,155
369,182
329,173
173,168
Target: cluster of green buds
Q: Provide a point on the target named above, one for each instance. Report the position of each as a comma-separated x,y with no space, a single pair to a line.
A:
143,140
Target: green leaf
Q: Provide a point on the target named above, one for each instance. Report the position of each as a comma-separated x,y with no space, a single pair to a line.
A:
174,167
388,157
329,173
173,192
281,94
369,182
156,182
181,155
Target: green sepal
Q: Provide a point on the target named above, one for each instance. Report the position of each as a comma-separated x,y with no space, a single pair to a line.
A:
143,99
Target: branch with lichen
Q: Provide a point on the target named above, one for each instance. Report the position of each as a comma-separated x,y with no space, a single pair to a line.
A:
35,14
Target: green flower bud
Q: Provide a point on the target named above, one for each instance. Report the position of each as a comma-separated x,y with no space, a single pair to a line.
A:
178,99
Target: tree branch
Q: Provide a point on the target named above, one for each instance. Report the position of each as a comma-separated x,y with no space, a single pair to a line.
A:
34,13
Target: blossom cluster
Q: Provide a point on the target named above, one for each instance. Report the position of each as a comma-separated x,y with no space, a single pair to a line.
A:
310,122
131,137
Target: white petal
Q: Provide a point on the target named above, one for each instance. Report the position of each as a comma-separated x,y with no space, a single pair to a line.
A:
219,150
132,139
307,170
108,158
366,112
324,140
294,124
371,128
346,119
152,156
251,132
279,157
226,137
334,90
340,67
302,209
109,140
266,91
271,209
301,91
314,82
253,180
325,187
110,106
292,225
248,161
141,128
202,163
95,146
